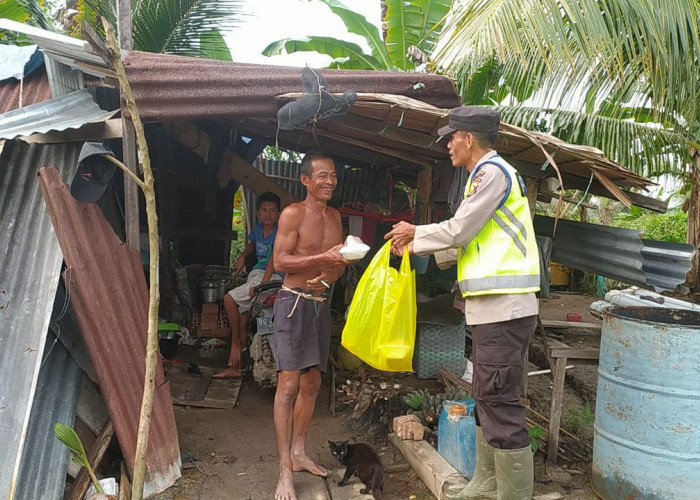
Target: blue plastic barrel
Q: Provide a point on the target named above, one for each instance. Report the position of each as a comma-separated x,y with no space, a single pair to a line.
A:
457,438
646,441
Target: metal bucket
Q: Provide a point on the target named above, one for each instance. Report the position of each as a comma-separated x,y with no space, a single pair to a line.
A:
647,428
212,290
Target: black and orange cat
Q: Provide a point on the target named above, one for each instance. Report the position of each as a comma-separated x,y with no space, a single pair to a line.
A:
361,460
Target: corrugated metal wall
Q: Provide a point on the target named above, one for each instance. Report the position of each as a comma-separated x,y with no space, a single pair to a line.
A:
617,253
109,298
29,273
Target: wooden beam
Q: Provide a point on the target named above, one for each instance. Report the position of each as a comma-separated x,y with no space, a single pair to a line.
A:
108,129
553,323
132,223
95,456
430,466
246,174
231,165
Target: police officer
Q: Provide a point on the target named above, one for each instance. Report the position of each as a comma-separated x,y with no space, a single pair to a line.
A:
498,275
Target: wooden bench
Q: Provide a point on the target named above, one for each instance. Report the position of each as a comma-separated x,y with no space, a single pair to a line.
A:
561,354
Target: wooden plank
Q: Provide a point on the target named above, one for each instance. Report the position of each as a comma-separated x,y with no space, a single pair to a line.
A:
574,352
124,483
198,388
95,456
246,174
555,409
430,466
131,190
553,323
91,409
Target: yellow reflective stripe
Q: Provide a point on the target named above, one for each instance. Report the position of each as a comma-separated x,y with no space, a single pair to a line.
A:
499,282
512,234
516,222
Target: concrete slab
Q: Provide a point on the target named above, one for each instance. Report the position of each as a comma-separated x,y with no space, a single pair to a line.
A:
350,491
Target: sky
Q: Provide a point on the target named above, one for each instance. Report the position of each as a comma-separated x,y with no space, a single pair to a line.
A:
272,20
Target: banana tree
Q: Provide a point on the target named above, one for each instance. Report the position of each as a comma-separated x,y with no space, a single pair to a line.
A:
411,31
621,75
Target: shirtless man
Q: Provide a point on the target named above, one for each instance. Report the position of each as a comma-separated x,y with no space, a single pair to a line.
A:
309,235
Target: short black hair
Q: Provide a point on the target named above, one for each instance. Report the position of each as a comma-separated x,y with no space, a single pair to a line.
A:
307,162
268,197
486,139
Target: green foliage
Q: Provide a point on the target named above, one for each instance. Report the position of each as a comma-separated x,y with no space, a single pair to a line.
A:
534,433
427,407
411,26
183,27
564,62
577,421
671,226
238,225
67,436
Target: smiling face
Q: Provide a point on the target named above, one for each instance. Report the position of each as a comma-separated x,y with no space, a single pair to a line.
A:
322,181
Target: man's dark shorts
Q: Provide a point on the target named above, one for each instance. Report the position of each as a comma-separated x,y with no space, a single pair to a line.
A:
302,339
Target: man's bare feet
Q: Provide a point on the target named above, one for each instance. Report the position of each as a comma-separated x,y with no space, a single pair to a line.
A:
285,486
302,462
230,372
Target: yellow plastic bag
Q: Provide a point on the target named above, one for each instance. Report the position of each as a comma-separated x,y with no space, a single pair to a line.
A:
381,324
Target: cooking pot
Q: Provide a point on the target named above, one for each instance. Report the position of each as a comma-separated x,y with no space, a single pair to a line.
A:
213,290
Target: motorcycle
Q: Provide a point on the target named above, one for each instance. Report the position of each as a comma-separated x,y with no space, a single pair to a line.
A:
261,334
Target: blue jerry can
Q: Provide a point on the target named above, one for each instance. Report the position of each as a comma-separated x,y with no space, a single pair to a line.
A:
457,436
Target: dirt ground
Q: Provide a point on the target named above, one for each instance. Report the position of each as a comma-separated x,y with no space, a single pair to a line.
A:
232,453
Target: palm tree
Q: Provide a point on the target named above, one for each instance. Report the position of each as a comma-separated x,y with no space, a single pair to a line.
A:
33,12
410,30
621,75
183,27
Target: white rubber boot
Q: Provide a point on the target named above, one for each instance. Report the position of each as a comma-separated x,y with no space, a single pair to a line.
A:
483,484
514,473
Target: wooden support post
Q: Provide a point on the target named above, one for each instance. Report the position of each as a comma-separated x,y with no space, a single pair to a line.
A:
131,191
425,183
555,410
562,353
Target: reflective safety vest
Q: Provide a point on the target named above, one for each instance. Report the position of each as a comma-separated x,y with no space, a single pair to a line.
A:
503,257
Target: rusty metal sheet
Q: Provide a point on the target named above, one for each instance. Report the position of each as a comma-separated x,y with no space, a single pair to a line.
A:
15,94
169,87
109,296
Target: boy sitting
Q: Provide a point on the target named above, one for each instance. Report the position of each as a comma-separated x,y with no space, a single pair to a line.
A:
238,301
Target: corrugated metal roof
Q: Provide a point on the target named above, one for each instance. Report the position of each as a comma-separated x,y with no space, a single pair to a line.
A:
666,264
42,474
169,88
68,50
15,94
617,253
29,273
67,111
399,133
110,301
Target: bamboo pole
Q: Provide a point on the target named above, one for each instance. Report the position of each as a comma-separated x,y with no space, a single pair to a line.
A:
147,186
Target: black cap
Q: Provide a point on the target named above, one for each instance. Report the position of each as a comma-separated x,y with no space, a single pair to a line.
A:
472,119
93,174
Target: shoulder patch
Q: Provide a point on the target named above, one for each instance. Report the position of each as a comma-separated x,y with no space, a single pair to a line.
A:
475,183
